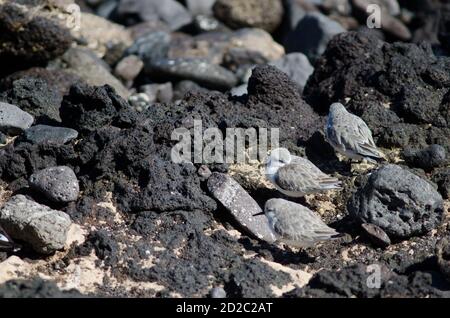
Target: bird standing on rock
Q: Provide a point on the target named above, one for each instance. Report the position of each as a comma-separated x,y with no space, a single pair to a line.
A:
350,135
296,225
295,176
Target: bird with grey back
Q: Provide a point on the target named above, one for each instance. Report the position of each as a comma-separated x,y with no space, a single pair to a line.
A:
296,176
350,135
296,225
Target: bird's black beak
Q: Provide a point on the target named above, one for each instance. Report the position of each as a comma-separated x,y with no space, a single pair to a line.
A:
260,213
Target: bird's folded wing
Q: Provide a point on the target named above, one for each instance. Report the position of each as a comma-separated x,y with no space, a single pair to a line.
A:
326,231
300,178
358,138
307,164
293,225
304,227
293,177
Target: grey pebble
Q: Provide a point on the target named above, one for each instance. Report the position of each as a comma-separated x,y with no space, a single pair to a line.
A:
200,71
93,70
129,68
58,184
150,47
169,11
36,224
13,120
162,93
428,158
376,235
48,134
312,34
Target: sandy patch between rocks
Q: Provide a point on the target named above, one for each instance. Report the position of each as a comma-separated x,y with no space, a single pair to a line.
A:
299,277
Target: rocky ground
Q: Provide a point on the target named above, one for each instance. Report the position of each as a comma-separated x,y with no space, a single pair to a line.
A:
88,102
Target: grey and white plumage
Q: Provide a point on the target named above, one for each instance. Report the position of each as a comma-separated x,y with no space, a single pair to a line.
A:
350,135
296,225
296,176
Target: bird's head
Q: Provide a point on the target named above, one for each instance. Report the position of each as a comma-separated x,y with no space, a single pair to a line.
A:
279,157
337,108
270,209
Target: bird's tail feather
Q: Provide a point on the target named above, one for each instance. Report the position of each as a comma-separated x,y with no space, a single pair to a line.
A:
372,154
329,235
338,236
330,183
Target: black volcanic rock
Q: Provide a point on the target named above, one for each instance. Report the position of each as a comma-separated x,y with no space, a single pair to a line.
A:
35,96
87,108
29,39
35,288
428,158
396,87
399,202
352,281
273,97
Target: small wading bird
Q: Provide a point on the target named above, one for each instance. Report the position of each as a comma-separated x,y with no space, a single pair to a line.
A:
295,176
6,243
350,136
296,225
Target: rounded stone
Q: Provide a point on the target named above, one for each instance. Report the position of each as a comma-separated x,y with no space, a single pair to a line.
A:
28,36
42,228
13,120
129,67
257,41
58,184
312,34
376,235
150,47
399,202
197,70
48,134
263,14
428,158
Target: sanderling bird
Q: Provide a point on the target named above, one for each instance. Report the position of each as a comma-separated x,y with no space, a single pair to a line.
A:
350,136
296,225
6,243
295,176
